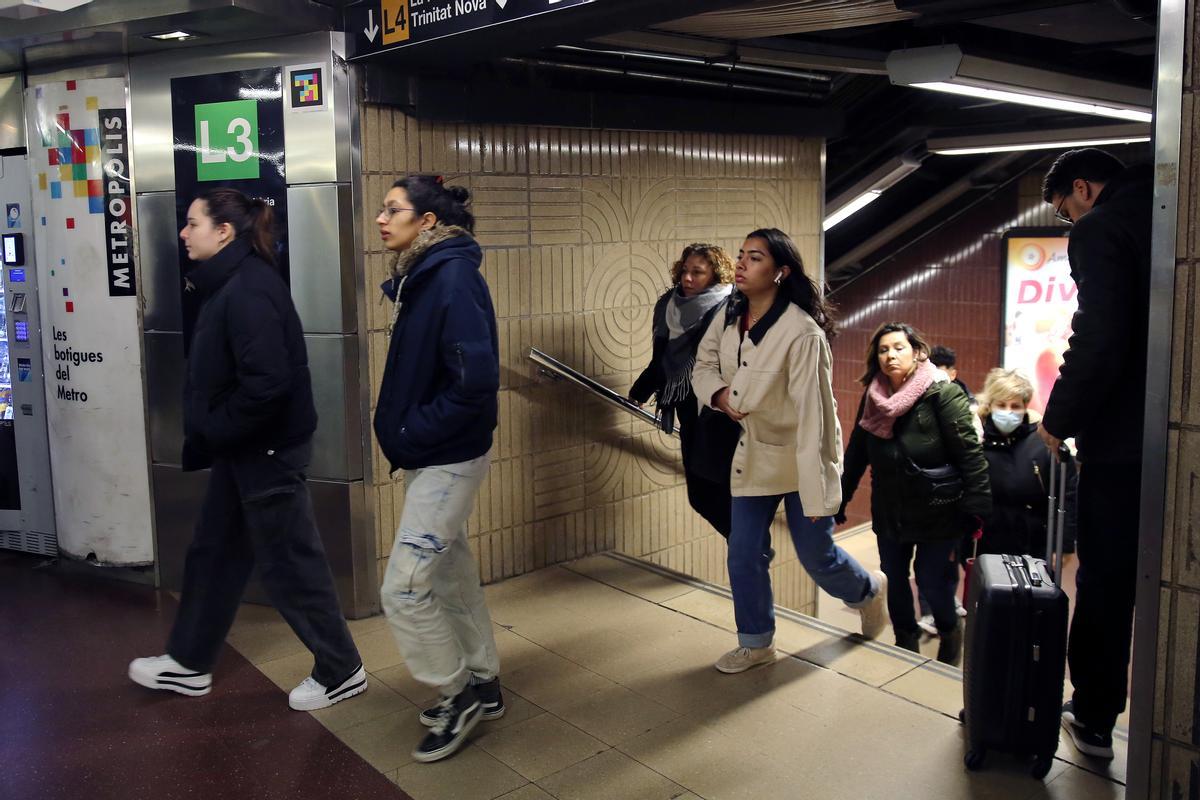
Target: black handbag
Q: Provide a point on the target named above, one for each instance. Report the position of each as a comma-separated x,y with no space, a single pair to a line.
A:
938,486
713,444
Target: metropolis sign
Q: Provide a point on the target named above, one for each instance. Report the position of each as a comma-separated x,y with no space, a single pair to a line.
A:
382,25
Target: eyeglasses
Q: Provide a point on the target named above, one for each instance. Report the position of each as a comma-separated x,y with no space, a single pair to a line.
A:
1060,215
387,212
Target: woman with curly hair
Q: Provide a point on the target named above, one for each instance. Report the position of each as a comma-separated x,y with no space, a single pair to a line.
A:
700,281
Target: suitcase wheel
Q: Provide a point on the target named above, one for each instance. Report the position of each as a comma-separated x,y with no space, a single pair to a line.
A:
1041,767
973,760
962,716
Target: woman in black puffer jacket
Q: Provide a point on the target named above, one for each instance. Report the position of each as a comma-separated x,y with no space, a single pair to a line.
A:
700,283
909,417
1019,471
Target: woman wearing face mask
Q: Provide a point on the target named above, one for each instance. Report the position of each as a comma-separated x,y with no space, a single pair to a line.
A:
767,365
435,417
248,413
908,419
700,282
1019,470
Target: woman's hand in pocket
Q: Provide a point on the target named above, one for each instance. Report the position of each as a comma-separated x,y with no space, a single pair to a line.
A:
721,402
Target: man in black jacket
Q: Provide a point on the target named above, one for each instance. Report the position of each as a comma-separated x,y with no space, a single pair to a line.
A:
1100,400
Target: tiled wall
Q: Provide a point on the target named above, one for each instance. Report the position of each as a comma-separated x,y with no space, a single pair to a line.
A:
1176,745
579,228
948,286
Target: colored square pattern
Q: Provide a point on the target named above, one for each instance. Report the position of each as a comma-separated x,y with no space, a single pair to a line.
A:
70,307
75,152
306,88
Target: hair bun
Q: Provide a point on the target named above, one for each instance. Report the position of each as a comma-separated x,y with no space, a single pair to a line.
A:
459,193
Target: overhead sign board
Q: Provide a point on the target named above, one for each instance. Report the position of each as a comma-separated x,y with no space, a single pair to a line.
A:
382,25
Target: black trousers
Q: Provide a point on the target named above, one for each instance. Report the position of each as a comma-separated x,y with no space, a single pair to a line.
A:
710,500
257,510
1105,585
933,582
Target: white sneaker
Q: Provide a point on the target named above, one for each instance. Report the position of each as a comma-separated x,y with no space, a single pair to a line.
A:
927,624
164,672
741,659
310,695
958,607
874,614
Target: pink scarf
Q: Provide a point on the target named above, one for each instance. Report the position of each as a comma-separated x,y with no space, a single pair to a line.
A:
883,406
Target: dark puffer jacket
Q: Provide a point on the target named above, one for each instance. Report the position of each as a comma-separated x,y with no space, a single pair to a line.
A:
937,430
248,386
1019,471
438,399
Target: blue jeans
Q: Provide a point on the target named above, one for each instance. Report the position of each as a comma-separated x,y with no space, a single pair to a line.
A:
750,557
933,581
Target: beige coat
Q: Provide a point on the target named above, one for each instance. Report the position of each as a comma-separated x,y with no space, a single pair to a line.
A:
781,378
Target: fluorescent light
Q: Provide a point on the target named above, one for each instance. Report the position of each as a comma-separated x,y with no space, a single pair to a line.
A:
1058,104
853,207
1012,148
1058,138
173,36
946,69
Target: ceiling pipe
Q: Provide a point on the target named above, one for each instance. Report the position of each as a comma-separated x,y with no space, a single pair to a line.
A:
657,76
729,62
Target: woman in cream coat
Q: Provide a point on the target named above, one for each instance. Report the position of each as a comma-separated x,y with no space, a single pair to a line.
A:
766,363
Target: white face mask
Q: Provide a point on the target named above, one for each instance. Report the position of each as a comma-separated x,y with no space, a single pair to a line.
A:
1007,421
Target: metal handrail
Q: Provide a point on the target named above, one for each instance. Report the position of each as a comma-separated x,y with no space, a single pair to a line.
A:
556,369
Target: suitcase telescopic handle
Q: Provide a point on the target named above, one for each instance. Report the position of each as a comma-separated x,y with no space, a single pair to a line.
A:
1056,514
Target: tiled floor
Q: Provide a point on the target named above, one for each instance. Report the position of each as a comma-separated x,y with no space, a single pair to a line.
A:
611,693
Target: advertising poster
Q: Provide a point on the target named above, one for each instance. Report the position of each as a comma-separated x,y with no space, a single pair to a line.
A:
82,219
228,131
1039,302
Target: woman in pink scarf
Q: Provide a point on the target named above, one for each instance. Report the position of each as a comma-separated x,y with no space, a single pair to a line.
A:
910,418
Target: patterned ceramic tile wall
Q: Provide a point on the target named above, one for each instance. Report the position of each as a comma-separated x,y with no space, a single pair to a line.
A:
948,286
579,228
1176,747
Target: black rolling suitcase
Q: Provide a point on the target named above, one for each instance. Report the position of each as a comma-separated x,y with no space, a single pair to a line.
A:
1016,649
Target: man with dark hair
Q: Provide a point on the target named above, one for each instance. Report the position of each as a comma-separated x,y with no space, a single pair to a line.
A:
1100,400
945,359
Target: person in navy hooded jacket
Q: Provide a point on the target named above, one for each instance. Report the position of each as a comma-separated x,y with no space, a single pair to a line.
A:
434,420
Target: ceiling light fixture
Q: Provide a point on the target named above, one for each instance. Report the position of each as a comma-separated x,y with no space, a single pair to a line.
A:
869,189
173,36
1059,139
946,69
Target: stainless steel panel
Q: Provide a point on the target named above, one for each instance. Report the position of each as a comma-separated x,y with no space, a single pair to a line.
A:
321,254
314,153
165,372
12,111
349,547
333,361
158,248
1168,88
337,445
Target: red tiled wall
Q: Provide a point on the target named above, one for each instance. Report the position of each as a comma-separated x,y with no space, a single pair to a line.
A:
948,286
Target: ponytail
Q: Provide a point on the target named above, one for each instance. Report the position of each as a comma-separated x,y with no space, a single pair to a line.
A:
252,219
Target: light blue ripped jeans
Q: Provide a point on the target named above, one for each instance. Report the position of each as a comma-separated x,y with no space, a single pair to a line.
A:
431,593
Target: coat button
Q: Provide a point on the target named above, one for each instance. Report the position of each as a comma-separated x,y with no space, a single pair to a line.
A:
739,472
741,444
735,392
745,363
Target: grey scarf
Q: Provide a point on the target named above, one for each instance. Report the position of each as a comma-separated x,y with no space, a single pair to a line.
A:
681,324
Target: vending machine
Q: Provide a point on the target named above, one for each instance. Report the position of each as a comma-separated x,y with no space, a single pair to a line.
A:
26,499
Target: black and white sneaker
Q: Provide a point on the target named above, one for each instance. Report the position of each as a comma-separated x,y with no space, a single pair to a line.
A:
164,672
310,695
456,717
1089,741
490,698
